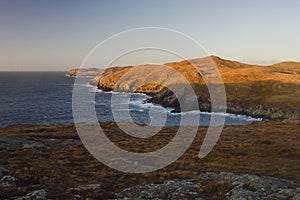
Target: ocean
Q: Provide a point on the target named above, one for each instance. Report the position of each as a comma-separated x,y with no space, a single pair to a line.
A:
45,98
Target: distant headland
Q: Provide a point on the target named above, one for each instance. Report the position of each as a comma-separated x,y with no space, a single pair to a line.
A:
270,92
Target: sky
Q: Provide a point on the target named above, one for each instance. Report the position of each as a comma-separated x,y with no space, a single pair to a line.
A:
58,34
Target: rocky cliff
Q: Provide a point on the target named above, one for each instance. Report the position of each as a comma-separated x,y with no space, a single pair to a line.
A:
261,91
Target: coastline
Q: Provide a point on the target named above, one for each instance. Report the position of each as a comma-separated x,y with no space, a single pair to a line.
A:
175,111
253,90
52,161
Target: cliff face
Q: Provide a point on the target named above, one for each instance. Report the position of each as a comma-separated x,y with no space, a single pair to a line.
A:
260,91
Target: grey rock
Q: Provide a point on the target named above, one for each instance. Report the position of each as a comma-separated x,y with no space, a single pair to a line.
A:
62,143
3,170
34,195
239,193
6,181
5,184
209,176
240,187
90,191
37,195
9,179
246,186
35,145
13,143
173,189
88,187
296,197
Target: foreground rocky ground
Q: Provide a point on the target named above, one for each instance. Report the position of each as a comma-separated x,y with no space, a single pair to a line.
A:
255,161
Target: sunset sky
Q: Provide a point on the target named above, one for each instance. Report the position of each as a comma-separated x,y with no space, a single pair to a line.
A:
58,34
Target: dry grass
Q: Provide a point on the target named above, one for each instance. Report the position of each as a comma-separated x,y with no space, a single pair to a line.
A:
265,148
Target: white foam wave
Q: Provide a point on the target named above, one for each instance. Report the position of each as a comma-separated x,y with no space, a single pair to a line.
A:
83,84
146,105
197,112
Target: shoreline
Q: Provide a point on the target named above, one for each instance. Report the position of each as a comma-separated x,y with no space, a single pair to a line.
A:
245,107
253,90
174,110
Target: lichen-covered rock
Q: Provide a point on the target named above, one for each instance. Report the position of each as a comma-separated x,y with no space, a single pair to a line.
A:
173,189
89,191
239,193
87,187
234,187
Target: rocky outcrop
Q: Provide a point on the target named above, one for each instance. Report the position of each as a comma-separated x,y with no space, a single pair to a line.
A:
208,185
224,185
270,92
172,189
247,186
7,181
89,191
85,72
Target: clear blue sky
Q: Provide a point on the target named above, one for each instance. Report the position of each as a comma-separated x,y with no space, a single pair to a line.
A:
57,34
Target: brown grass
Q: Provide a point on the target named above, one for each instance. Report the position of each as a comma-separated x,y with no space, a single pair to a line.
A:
265,148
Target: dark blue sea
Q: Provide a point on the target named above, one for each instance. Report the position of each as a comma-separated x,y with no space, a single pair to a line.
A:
45,98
